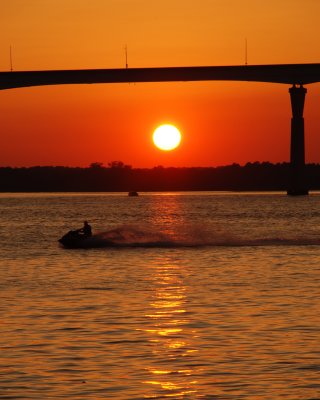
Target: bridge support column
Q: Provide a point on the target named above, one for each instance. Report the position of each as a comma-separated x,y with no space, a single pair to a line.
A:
297,184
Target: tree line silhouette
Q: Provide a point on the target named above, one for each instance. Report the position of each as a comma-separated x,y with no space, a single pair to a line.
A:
256,176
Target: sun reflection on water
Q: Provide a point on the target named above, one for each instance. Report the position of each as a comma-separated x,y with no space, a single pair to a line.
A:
171,338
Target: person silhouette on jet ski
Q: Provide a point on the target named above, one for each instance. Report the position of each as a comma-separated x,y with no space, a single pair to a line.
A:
86,230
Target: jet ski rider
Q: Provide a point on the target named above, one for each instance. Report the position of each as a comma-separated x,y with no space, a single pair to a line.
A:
85,230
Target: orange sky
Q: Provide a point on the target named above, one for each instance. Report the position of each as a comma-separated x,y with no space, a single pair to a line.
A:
221,122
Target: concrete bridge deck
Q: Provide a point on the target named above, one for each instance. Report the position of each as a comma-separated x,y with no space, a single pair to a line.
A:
294,74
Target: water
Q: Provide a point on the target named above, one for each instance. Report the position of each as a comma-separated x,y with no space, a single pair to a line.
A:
209,296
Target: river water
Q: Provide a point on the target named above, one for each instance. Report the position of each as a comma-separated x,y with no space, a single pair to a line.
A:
209,296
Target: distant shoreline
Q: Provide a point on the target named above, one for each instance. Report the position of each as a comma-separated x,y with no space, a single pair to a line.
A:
118,177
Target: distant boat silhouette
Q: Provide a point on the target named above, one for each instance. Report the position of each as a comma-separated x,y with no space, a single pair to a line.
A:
133,194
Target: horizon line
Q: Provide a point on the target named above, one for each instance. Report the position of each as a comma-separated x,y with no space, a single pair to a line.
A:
128,166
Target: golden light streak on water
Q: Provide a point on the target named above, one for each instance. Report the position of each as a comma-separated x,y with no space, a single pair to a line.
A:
158,372
170,324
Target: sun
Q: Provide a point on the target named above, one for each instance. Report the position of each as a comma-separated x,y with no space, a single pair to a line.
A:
166,137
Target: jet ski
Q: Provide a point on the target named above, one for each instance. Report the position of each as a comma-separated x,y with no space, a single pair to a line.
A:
77,240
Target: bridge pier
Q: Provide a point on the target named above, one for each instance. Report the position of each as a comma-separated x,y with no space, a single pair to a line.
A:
297,183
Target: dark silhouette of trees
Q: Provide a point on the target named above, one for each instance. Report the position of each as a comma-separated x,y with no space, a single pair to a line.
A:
118,164
96,165
120,177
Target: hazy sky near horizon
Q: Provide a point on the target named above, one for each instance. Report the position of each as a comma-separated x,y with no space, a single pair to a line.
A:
221,122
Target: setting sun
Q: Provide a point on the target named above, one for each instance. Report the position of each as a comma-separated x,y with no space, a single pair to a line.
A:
167,137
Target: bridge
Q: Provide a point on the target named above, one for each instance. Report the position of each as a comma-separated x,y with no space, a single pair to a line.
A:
296,75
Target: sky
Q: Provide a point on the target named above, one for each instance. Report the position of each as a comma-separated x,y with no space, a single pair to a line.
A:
221,122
